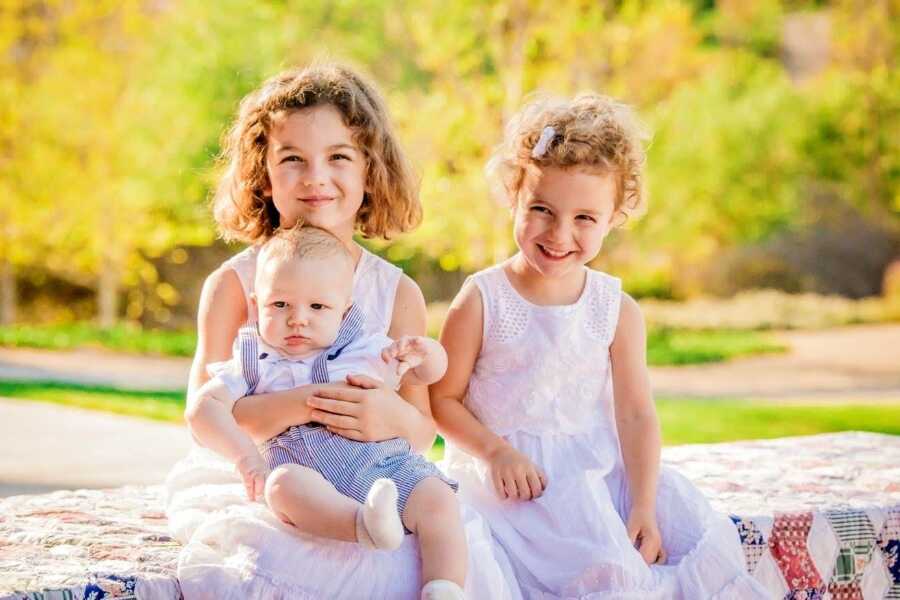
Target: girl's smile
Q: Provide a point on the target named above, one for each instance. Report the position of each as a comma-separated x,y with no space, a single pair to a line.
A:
554,254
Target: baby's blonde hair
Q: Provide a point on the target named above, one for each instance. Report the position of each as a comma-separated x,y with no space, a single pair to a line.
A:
302,242
593,132
242,208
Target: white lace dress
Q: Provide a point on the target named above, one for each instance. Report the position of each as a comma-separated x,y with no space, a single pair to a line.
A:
543,382
237,549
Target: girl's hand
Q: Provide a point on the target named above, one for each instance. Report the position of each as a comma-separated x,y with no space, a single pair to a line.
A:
644,534
254,471
409,351
367,411
514,475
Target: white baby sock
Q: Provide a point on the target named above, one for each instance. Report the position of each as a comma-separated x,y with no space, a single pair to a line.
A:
377,523
442,589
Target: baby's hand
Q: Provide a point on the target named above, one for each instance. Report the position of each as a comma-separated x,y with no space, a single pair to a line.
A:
409,351
644,534
515,476
253,470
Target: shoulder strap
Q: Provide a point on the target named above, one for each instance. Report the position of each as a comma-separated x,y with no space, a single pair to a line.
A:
249,355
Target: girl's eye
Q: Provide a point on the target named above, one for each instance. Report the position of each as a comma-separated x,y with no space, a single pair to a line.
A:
316,306
587,218
339,157
540,209
291,158
279,304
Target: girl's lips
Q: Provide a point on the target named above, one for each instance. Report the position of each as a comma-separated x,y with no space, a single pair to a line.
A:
553,255
316,200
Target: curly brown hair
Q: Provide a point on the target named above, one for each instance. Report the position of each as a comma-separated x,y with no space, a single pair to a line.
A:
241,207
591,131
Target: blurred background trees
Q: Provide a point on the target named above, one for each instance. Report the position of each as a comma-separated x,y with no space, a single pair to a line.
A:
775,159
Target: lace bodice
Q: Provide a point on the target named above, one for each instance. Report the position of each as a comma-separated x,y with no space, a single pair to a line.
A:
374,286
544,369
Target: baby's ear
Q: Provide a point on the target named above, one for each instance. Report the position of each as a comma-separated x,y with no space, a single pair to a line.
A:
254,306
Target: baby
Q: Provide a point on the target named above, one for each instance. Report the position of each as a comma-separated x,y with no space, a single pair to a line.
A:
308,331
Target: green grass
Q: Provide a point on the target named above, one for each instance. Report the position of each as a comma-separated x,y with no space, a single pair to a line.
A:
161,406
123,338
701,421
686,347
683,421
664,346
712,421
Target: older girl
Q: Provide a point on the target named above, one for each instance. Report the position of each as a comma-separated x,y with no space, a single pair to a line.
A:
316,144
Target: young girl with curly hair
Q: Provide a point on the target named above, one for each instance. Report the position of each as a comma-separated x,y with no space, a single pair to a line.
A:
546,405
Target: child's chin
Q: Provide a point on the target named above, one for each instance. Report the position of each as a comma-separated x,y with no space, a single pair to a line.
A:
298,351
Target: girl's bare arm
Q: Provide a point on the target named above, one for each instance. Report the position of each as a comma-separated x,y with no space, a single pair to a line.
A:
636,418
461,337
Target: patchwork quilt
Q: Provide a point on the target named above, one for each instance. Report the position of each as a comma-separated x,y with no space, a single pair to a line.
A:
818,517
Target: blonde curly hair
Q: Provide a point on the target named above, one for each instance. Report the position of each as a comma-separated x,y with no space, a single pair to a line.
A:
592,132
242,209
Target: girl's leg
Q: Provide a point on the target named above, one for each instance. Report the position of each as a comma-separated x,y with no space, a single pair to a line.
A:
432,513
301,497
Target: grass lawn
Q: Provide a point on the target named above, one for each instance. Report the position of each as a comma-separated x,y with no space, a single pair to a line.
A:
664,346
686,347
123,337
683,421
161,406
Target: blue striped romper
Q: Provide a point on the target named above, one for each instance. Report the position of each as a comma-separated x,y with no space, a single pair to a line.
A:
351,466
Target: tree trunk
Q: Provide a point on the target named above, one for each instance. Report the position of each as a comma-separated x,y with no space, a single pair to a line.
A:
108,293
8,294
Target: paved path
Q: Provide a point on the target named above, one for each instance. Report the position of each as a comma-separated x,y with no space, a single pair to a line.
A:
45,447
96,367
847,363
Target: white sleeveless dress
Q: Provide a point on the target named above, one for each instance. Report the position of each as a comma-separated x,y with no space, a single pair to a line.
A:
543,382
237,549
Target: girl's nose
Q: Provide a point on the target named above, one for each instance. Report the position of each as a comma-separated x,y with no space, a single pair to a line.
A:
560,231
314,175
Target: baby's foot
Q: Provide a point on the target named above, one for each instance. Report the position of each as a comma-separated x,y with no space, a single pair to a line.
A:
442,589
377,522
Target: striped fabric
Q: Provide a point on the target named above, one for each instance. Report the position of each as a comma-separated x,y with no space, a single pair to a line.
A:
351,466
249,356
